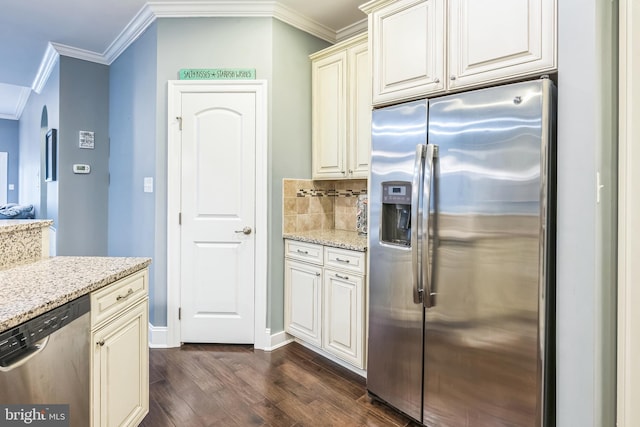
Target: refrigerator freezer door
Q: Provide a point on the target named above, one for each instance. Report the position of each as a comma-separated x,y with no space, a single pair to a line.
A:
394,368
483,340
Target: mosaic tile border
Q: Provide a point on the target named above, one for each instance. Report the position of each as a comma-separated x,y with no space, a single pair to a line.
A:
328,193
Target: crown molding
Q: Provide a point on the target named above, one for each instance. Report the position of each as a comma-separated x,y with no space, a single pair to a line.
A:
77,53
213,9
352,30
134,29
46,66
22,101
23,97
191,9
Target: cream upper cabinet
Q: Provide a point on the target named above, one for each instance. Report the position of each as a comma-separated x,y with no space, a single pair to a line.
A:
487,42
341,110
359,123
494,40
406,40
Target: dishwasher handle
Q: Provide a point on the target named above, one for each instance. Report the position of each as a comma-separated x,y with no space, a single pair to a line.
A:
24,356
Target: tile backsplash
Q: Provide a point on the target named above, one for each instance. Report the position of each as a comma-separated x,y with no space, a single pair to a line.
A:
320,205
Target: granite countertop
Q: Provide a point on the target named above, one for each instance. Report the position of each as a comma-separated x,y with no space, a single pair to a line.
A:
9,225
31,289
336,238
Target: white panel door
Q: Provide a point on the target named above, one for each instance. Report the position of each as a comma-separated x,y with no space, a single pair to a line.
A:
493,40
217,204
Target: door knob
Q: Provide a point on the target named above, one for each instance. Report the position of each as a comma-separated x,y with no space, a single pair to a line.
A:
246,230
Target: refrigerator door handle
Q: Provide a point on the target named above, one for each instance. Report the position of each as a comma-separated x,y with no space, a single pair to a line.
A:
431,154
416,238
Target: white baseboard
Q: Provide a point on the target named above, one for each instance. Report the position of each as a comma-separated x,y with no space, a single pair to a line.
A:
158,336
277,340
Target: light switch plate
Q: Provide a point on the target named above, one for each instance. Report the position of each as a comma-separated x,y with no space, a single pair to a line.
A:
148,184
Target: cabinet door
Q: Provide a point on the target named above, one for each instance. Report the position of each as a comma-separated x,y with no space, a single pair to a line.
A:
359,111
407,48
303,301
120,366
494,40
329,111
343,331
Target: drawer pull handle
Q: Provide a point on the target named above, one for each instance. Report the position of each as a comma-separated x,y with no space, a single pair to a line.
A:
121,297
342,277
342,260
303,252
100,343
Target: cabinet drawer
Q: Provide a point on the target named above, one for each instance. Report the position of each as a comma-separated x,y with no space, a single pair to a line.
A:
344,259
118,296
308,252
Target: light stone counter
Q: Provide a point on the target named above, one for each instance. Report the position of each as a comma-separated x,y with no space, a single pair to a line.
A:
29,290
23,241
11,225
336,238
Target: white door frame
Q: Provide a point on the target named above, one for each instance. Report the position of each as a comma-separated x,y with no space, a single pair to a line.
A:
628,410
175,90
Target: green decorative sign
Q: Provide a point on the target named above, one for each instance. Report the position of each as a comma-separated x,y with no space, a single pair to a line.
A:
218,74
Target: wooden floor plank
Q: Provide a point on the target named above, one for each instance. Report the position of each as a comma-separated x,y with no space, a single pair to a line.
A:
235,385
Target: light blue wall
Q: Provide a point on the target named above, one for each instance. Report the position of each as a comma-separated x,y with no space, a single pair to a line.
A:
76,98
198,43
32,137
265,44
586,228
9,143
290,154
83,198
132,127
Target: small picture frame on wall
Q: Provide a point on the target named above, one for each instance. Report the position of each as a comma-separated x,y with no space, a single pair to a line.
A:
51,154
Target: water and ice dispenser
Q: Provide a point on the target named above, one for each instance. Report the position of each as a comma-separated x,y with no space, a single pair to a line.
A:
396,213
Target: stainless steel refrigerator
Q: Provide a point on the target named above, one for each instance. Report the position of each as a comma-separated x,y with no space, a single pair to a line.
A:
461,240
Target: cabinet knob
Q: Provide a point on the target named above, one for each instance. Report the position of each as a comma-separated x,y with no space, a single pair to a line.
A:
344,173
350,172
100,343
452,77
437,80
318,274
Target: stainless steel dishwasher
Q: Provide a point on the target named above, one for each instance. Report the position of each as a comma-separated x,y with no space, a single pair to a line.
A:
46,361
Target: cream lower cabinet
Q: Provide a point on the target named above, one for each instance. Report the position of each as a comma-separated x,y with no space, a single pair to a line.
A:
325,299
120,357
343,326
303,301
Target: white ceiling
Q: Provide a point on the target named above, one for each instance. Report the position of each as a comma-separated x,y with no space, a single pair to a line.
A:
89,29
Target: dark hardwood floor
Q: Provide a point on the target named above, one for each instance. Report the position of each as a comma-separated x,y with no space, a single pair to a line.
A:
230,385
